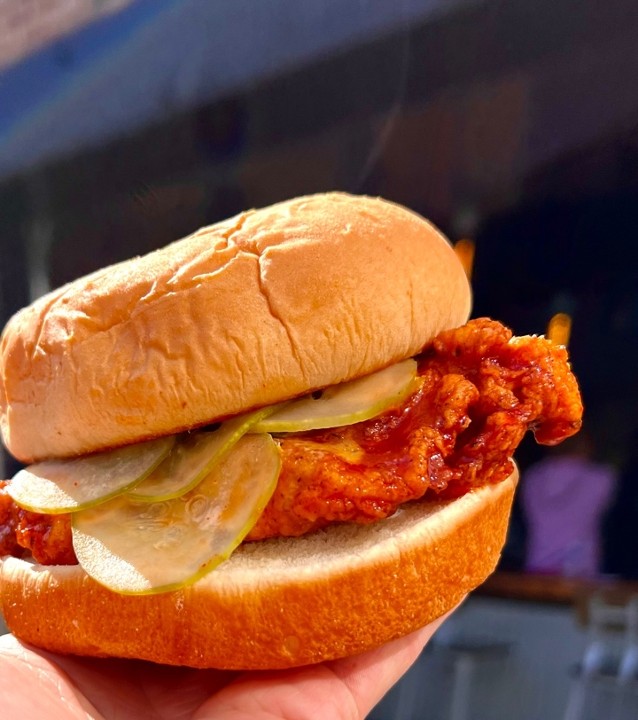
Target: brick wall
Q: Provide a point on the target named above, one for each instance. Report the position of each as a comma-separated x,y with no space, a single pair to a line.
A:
27,25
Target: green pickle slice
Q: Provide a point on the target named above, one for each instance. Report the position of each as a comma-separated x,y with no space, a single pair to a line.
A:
143,548
62,486
191,459
344,404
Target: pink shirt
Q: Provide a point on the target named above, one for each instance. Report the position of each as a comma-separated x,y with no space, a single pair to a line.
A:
563,500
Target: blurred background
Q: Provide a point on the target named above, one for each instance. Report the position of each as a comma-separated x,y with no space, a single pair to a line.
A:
125,124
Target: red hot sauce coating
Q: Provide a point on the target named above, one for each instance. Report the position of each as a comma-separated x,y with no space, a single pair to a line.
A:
477,393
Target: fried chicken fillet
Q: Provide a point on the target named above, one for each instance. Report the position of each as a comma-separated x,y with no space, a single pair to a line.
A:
478,391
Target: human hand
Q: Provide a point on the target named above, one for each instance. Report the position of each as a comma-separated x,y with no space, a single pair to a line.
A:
37,684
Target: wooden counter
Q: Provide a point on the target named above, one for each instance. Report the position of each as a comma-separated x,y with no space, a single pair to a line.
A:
555,589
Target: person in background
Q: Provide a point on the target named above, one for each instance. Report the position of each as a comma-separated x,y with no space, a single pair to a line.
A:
564,499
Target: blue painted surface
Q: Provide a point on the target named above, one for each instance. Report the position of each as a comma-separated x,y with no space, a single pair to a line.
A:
39,78
156,58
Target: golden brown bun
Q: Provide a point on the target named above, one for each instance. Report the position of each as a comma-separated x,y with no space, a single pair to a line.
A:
276,603
262,307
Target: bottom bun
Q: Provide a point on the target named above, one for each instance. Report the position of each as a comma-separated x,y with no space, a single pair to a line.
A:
277,603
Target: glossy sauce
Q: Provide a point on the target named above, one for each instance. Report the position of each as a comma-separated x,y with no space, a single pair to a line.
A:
476,396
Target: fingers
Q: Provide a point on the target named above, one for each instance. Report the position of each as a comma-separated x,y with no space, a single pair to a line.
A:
32,687
128,689
370,676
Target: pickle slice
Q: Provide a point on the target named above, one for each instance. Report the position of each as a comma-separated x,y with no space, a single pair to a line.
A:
191,459
143,548
62,486
344,404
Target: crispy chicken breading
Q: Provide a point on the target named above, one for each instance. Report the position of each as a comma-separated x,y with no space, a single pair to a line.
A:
478,392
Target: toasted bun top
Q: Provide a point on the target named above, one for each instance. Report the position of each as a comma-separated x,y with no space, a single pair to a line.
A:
265,306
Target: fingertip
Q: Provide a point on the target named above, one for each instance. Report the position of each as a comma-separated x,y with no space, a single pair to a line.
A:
371,675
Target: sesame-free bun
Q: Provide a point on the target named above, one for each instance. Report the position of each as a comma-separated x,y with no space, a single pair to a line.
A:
276,603
259,308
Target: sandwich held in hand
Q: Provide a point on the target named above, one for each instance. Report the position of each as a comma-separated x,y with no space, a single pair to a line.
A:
274,442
